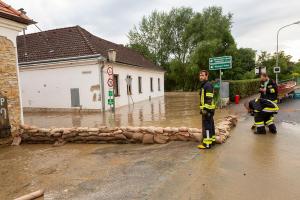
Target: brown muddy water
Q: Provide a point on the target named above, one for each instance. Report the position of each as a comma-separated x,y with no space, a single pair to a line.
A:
175,109
247,167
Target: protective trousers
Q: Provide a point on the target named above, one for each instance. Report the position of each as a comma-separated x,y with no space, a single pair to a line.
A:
263,119
208,129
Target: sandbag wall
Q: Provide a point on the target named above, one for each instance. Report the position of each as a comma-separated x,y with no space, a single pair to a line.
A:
145,135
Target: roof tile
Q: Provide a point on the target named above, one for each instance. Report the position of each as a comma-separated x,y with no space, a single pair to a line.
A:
73,42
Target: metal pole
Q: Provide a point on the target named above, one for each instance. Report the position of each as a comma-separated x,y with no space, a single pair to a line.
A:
277,56
220,88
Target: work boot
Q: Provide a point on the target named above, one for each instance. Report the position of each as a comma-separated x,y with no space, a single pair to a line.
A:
272,128
203,146
253,127
260,130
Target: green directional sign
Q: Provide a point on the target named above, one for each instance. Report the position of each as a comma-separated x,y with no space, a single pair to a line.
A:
224,62
111,101
110,93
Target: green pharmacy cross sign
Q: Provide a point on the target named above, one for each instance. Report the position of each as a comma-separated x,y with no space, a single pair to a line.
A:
111,101
217,63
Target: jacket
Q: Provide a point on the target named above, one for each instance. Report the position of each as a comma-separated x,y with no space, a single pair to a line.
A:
271,90
263,105
207,96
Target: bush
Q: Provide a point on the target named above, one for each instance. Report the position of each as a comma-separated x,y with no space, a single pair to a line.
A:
243,88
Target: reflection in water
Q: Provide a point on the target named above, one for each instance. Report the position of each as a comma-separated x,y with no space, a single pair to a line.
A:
175,109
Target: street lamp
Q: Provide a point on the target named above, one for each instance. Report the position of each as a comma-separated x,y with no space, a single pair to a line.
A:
277,56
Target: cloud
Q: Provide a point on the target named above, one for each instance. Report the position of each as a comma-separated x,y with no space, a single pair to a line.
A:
255,21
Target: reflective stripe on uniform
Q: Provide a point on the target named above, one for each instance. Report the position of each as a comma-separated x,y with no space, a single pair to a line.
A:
271,109
208,94
213,138
207,106
259,124
202,101
270,121
202,98
207,140
275,101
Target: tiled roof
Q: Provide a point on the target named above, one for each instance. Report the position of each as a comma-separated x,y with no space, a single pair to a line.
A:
74,42
8,12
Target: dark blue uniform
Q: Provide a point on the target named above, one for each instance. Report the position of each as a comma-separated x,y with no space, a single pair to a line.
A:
263,111
207,109
271,90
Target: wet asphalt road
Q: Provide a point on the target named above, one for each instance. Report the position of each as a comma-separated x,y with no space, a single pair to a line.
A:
248,166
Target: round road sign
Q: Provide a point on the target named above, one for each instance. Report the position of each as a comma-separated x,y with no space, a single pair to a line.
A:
110,71
110,82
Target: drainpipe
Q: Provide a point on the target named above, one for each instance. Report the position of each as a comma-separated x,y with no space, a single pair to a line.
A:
101,61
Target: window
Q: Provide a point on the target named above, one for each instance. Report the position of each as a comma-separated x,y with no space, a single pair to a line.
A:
116,85
158,84
128,82
140,84
151,84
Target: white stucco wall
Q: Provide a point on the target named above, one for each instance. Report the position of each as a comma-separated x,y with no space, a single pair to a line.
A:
135,72
10,29
49,86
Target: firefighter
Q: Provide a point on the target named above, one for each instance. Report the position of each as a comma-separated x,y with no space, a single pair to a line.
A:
263,110
207,110
268,88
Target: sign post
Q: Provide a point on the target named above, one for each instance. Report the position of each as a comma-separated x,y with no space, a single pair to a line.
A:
219,63
276,71
111,92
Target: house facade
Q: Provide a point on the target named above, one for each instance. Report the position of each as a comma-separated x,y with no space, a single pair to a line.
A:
68,68
12,22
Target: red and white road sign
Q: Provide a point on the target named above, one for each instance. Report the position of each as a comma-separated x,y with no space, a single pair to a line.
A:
110,82
110,71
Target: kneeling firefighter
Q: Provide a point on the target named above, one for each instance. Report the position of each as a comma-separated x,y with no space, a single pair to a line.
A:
207,110
263,110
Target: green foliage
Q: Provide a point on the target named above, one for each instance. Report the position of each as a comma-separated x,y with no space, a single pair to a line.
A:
243,88
269,61
243,60
182,41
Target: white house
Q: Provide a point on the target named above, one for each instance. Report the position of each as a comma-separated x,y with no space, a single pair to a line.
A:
68,68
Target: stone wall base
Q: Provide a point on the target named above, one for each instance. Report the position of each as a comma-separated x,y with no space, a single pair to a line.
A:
123,135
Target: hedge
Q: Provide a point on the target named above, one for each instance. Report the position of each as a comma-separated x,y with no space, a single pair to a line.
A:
244,88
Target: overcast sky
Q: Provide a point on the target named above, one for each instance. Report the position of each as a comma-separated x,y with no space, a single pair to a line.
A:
255,21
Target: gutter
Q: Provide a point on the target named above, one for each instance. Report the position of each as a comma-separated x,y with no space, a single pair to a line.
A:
23,64
101,61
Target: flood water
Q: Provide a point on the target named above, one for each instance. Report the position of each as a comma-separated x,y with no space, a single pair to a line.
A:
174,109
247,166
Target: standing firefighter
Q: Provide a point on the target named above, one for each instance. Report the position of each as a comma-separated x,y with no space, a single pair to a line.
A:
268,88
207,110
263,111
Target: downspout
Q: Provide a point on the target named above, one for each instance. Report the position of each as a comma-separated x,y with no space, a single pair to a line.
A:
101,81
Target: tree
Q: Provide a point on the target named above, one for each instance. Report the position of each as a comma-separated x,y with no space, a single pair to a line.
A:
149,36
210,35
269,61
243,61
182,41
